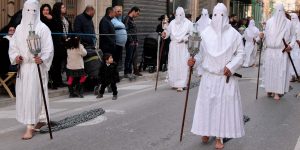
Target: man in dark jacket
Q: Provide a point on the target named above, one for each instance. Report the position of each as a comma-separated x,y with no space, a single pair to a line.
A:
84,24
132,43
108,42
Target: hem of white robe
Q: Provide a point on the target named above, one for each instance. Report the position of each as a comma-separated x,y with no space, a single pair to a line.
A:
218,135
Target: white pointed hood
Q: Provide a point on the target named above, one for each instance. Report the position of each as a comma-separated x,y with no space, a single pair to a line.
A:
220,21
252,31
218,33
204,21
276,27
295,23
180,15
30,15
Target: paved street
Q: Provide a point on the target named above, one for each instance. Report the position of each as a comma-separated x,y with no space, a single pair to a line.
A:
142,119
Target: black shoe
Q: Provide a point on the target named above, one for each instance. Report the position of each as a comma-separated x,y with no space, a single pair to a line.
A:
79,89
63,85
53,88
138,74
109,90
96,90
100,96
73,95
115,97
126,75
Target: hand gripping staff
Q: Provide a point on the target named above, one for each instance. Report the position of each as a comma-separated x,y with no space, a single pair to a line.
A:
292,62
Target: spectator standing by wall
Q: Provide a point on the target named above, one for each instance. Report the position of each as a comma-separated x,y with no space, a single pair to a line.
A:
121,33
84,24
46,15
75,66
132,43
63,27
107,42
164,23
11,32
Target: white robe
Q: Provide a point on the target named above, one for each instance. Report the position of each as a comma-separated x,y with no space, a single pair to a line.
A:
178,53
295,54
202,23
250,46
29,100
276,64
218,110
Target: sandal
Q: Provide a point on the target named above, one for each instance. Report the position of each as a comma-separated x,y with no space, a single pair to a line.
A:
179,89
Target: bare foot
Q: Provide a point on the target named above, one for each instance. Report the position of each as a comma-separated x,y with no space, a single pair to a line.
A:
205,139
219,144
39,125
28,134
179,89
276,97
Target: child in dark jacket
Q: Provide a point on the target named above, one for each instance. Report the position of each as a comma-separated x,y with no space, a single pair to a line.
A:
108,75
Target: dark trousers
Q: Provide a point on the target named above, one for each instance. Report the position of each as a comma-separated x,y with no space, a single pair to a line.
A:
55,71
118,54
113,88
130,52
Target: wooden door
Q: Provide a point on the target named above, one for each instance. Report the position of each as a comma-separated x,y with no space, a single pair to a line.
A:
7,9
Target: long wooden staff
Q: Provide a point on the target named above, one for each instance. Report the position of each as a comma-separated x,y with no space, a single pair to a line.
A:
289,54
259,59
159,61
45,103
186,100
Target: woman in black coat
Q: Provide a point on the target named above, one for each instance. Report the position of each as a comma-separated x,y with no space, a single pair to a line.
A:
46,15
61,27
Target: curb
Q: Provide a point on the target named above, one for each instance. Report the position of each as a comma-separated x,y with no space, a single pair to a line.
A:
6,101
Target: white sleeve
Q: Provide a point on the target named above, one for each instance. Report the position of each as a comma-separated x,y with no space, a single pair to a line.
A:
238,58
14,50
199,57
47,48
83,51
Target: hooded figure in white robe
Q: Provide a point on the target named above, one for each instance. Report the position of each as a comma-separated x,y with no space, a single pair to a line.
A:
276,64
251,35
218,110
202,23
29,101
179,30
295,54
